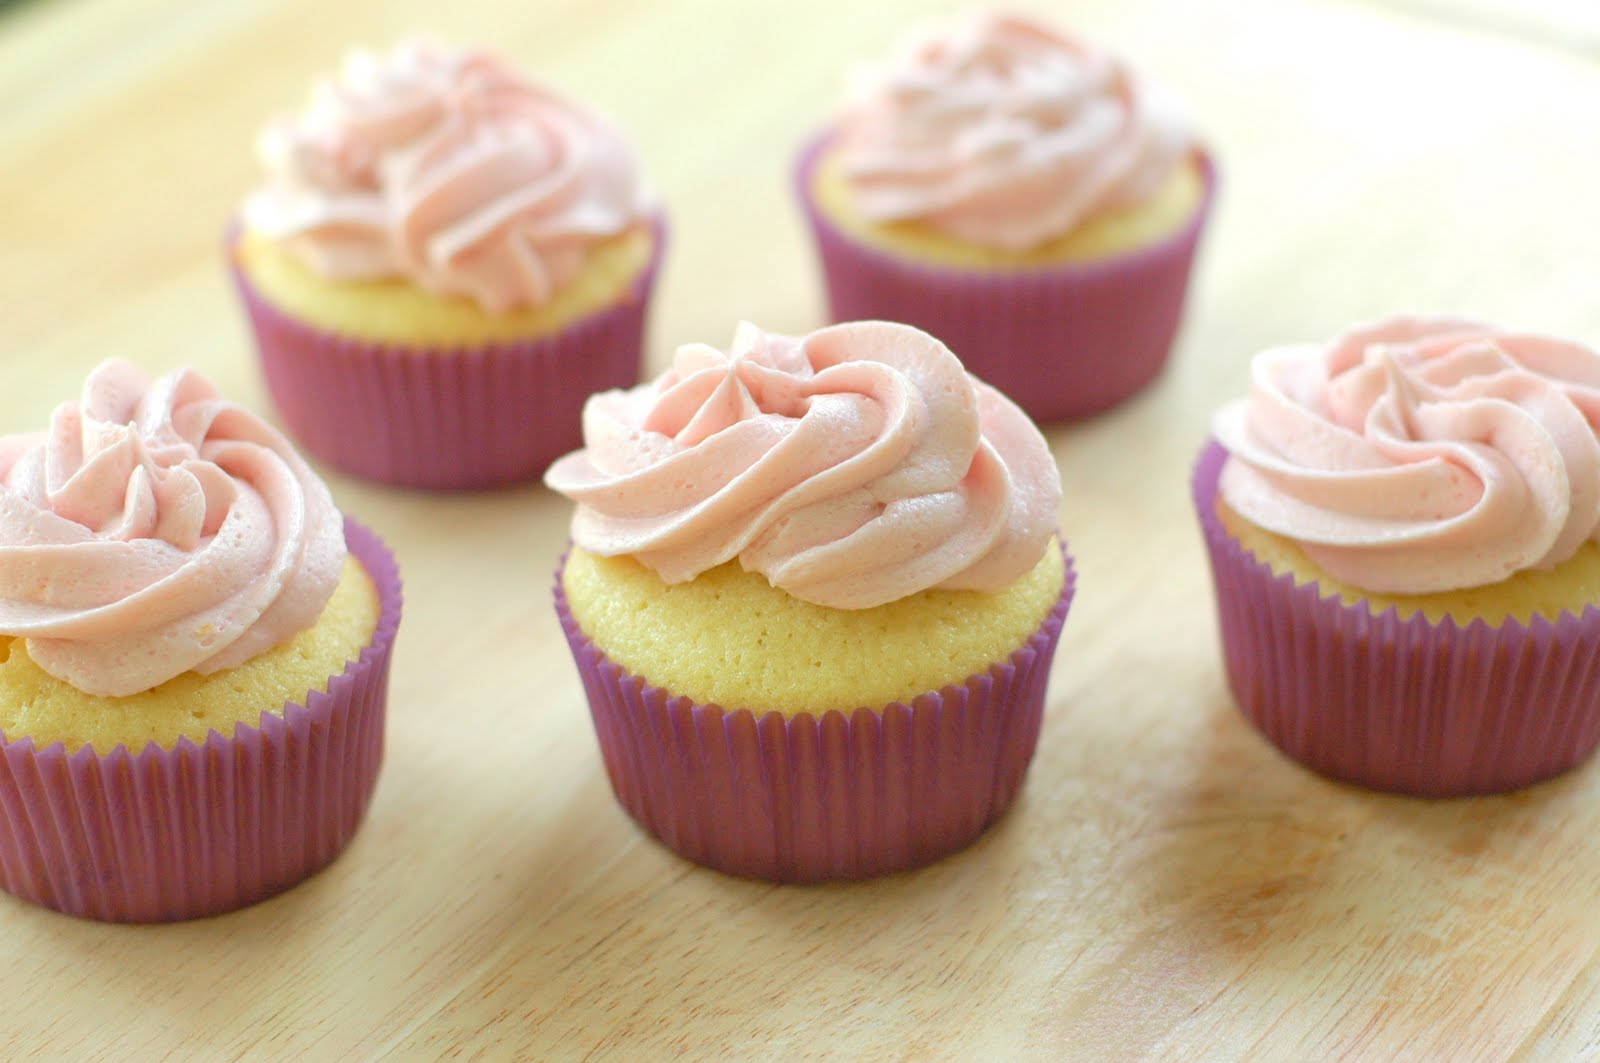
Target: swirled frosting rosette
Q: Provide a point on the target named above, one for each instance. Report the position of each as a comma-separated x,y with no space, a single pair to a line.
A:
446,258
156,530
851,469
1420,455
1410,459
446,167
1022,195
1001,130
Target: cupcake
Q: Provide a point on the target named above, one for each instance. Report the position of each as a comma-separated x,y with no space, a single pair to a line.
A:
194,656
813,591
445,259
1402,532
1019,194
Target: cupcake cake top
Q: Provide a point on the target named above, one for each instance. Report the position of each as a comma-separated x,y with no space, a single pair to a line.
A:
1002,131
1419,455
852,467
157,528
446,167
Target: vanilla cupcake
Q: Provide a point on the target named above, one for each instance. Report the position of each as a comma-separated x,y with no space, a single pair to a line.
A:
1023,196
194,652
445,259
814,591
1402,531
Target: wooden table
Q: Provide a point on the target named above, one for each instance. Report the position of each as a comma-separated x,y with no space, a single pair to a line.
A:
1167,887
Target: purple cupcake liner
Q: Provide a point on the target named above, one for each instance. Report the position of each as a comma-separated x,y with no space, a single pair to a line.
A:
201,829
1062,341
811,797
1409,706
446,419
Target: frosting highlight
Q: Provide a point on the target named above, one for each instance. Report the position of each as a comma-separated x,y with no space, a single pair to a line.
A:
157,528
852,467
1419,455
445,167
998,130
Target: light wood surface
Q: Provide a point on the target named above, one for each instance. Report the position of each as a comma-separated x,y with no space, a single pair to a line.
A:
1167,886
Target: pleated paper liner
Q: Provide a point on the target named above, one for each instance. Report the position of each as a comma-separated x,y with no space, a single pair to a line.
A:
1062,341
811,797
203,828
443,419
1409,706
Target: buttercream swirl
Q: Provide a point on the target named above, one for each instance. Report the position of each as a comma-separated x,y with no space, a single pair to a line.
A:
446,167
157,528
998,130
1421,455
851,467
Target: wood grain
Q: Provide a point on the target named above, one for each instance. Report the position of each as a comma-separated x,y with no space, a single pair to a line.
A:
1167,887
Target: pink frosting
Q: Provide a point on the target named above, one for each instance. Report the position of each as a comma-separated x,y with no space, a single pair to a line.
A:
158,528
445,167
851,467
1001,131
1421,455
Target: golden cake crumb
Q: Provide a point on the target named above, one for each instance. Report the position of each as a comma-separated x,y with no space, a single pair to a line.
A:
1105,236
729,637
1567,587
35,704
397,311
